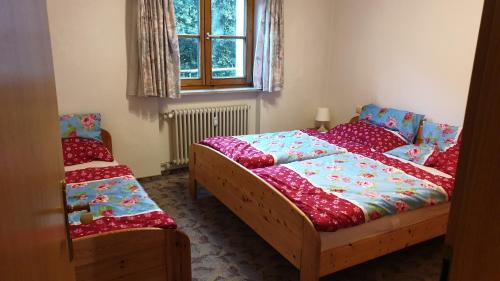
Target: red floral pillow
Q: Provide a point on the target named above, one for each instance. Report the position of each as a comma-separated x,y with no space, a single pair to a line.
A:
80,150
373,136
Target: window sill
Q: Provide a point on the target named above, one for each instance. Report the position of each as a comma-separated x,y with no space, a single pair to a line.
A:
203,92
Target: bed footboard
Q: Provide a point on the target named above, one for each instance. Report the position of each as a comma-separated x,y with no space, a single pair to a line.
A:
259,205
146,254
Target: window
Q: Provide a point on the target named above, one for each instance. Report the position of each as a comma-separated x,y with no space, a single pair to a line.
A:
216,42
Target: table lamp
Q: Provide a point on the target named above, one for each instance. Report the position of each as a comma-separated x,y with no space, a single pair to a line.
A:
323,118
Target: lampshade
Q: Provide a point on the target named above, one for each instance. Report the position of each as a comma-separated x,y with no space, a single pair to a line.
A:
323,114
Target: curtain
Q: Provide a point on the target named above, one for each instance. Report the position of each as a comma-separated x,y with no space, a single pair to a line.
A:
158,49
269,48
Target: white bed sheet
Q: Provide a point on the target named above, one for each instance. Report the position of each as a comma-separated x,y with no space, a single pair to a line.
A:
93,164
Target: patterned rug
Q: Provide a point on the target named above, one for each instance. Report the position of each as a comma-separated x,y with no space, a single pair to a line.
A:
225,248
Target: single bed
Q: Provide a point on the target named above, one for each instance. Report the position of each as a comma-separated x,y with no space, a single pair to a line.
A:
151,249
291,231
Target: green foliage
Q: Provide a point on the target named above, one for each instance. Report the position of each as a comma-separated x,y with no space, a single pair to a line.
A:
187,16
223,23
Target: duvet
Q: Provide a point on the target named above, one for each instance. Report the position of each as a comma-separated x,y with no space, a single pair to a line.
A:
117,201
347,189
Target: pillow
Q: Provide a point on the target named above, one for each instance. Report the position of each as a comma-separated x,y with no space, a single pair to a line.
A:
81,125
447,161
369,135
442,135
80,150
421,154
404,122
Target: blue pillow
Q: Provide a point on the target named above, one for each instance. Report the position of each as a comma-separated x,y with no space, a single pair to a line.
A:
442,135
404,122
86,125
421,154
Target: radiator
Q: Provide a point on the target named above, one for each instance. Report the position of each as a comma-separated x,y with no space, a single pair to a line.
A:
188,126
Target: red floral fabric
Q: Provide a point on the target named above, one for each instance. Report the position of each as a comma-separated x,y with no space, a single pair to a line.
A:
90,174
446,183
106,224
81,150
240,151
327,211
447,160
369,135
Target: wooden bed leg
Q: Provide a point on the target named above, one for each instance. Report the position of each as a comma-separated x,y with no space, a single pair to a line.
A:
192,185
311,252
178,256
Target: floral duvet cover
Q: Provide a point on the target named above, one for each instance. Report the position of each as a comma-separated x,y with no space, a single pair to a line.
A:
117,201
348,189
263,150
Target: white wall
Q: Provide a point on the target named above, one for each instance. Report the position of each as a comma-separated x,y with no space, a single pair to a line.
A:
90,59
408,54
307,29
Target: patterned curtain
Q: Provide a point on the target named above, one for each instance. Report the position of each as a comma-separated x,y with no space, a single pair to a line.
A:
158,47
269,49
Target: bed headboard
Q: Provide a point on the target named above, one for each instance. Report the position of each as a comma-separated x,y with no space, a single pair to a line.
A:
418,140
106,139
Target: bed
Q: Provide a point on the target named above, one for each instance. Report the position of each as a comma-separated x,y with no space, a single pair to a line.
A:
272,214
146,246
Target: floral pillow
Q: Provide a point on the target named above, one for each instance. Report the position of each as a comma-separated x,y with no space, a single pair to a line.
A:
369,135
81,150
404,122
442,135
81,125
421,154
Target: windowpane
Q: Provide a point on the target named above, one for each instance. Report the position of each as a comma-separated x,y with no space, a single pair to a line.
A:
228,58
187,15
190,57
228,17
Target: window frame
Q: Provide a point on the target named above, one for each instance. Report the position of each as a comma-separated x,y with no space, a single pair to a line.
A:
205,81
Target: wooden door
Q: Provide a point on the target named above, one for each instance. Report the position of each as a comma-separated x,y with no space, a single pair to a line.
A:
473,238
33,243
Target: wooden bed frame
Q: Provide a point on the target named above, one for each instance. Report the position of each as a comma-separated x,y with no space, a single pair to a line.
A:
285,227
146,254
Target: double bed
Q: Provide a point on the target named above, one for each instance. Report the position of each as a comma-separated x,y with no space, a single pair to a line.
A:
129,236
286,202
